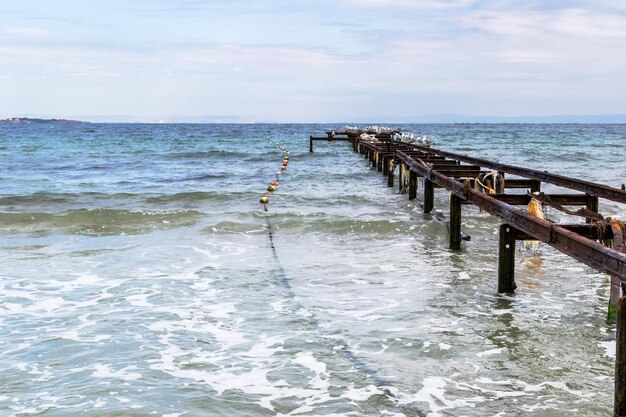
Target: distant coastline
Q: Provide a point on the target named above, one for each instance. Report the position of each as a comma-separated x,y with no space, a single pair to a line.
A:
29,120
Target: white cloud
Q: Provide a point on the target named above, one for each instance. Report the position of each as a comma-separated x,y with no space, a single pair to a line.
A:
411,4
25,31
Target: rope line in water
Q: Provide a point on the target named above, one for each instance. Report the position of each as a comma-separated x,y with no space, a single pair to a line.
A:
380,382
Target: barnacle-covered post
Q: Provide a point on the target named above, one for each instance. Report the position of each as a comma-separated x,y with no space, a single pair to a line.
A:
390,168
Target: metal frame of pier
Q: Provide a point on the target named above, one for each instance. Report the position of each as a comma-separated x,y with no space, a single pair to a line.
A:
456,173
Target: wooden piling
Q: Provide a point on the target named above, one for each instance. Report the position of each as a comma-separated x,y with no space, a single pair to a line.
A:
385,165
455,222
506,260
593,204
379,161
311,144
614,297
412,185
619,404
390,169
429,195
535,186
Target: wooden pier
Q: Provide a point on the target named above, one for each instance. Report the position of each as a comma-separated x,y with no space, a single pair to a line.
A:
458,173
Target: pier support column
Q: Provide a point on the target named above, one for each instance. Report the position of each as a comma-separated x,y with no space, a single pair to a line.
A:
429,195
311,144
412,185
385,165
619,406
506,260
379,161
616,287
390,169
593,204
372,158
535,186
455,222
614,296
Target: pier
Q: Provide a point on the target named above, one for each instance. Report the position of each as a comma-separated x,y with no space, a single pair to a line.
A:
462,176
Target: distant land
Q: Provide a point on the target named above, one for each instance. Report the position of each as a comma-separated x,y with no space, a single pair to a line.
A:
460,118
434,118
28,120
424,119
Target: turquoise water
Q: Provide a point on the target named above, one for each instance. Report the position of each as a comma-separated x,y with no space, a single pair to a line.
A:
138,278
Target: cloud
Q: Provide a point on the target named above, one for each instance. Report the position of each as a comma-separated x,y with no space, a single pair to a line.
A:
430,56
569,22
25,31
411,4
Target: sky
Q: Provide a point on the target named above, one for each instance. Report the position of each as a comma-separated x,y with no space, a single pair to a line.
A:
307,61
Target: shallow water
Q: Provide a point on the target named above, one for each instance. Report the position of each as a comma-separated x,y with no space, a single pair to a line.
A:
138,278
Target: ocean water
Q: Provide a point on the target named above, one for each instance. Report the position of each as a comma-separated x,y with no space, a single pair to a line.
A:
141,277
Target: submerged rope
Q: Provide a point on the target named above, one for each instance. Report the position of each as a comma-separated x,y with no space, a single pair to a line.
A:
380,382
358,364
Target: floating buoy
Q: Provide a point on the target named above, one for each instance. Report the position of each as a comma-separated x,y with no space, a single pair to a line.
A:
264,200
284,168
271,188
275,183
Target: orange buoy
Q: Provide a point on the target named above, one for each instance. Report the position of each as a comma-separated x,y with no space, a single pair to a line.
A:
275,183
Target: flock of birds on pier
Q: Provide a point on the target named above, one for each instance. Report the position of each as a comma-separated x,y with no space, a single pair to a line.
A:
369,134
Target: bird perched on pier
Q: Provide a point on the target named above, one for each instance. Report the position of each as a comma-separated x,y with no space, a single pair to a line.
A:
411,138
368,138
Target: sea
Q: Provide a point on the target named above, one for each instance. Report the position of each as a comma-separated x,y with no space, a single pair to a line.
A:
140,276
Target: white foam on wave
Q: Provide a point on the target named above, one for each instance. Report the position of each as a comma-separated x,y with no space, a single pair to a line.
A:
125,374
266,348
307,360
433,393
490,352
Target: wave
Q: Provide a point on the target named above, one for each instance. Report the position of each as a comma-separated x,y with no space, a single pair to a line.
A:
314,223
202,154
48,200
197,197
97,221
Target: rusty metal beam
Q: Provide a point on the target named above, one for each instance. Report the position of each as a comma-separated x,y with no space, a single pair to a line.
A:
585,250
524,199
599,190
590,231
